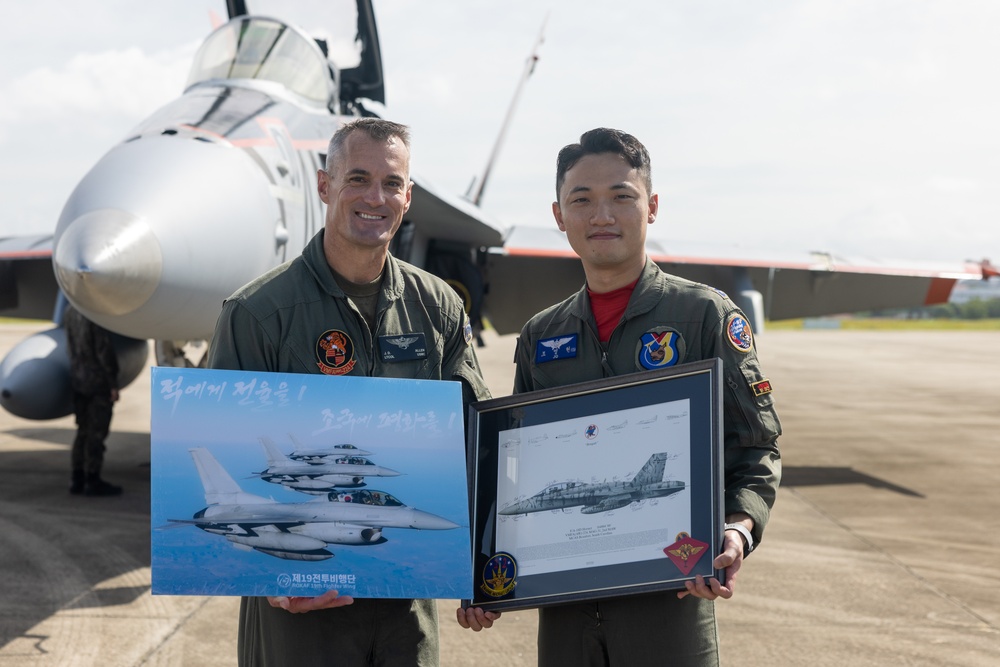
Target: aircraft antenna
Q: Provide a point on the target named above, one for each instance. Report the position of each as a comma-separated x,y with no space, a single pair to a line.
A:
529,67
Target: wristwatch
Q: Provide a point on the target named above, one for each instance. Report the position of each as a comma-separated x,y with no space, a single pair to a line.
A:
747,537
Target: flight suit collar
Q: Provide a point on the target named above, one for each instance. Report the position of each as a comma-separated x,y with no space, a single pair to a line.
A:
648,291
315,260
646,295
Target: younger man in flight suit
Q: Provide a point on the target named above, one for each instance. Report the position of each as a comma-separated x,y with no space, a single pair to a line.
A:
630,317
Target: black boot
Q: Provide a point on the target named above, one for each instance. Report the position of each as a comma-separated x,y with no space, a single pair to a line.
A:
77,484
95,486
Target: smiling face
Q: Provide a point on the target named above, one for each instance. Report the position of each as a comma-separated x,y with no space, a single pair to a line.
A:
604,208
367,191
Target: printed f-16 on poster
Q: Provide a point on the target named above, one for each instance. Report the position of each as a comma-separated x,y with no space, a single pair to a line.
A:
294,484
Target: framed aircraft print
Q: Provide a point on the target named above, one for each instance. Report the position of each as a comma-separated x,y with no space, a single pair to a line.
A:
296,484
598,489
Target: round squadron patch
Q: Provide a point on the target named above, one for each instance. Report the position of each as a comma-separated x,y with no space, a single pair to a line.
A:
335,351
467,331
738,333
658,348
499,575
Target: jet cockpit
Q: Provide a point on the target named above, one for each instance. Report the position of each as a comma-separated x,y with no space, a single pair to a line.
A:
364,497
266,50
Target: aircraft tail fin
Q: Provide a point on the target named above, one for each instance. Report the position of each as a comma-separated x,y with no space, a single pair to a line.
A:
220,487
275,457
652,472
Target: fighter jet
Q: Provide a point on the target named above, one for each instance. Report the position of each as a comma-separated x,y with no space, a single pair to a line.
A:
604,496
299,531
219,186
347,471
211,191
324,454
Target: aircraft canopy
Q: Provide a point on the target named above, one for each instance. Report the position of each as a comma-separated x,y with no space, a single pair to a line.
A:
264,49
364,497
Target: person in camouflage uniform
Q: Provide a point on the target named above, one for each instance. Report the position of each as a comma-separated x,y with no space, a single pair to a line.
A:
94,381
341,308
630,317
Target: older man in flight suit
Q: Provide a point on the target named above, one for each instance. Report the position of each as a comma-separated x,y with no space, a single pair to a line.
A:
336,310
630,317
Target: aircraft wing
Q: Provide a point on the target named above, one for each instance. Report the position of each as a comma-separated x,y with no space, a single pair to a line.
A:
440,215
536,267
28,287
241,520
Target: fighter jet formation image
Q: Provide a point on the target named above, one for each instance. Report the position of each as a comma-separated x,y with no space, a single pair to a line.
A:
299,531
604,496
318,476
217,465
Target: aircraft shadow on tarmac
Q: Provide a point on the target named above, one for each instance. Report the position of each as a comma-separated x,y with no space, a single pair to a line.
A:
837,475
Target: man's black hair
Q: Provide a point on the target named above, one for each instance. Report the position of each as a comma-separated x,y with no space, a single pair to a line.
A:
605,140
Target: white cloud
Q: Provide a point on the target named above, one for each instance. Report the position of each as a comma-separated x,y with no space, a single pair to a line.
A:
125,82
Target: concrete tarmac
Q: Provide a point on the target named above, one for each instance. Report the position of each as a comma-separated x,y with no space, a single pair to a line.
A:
883,548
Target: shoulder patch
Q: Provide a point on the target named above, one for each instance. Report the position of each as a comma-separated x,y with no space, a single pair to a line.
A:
738,333
658,348
467,329
557,347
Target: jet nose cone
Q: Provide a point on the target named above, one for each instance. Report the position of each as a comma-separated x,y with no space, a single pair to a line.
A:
108,261
427,521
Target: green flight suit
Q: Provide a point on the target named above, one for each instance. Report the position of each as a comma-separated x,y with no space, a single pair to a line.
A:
682,322
296,319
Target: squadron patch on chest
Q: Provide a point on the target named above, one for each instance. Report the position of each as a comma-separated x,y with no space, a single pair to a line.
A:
403,347
335,351
738,333
658,348
557,347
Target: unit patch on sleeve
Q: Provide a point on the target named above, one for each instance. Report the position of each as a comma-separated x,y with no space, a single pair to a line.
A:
467,330
762,387
403,347
557,347
738,333
335,351
658,348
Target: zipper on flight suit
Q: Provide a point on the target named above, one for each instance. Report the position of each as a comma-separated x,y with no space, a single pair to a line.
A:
367,329
605,364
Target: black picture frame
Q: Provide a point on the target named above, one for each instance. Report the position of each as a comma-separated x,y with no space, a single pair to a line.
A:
582,461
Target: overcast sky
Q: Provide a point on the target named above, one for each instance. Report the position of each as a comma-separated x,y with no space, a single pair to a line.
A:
853,126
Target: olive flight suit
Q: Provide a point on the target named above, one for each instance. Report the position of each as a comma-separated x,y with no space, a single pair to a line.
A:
667,321
296,319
